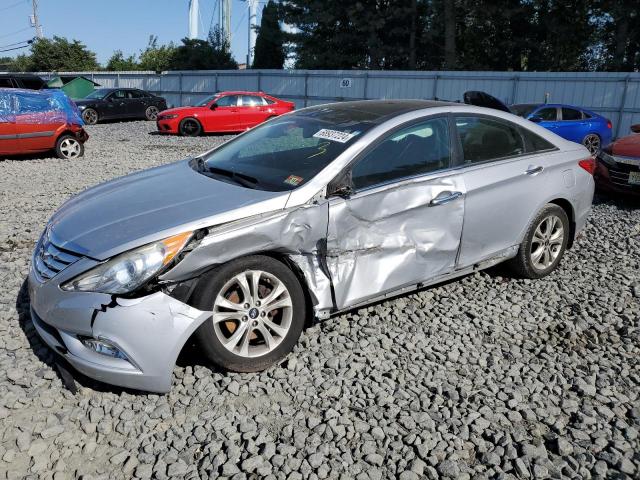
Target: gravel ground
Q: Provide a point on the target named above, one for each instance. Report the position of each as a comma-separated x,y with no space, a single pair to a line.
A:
485,377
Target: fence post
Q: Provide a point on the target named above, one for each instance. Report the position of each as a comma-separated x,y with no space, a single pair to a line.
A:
366,83
216,83
514,90
118,80
622,102
306,87
435,87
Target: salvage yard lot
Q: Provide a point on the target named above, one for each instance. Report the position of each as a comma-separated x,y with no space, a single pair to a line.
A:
475,377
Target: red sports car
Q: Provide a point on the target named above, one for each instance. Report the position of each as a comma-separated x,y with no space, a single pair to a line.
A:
223,112
618,168
38,121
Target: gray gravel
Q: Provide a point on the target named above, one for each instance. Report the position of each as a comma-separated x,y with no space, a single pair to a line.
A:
485,377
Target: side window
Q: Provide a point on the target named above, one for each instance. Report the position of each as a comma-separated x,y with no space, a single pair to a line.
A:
119,94
268,101
6,110
535,143
549,114
485,139
571,114
33,104
227,101
134,94
251,101
415,150
6,83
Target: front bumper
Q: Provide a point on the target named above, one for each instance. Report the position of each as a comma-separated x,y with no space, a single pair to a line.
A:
168,126
615,178
150,331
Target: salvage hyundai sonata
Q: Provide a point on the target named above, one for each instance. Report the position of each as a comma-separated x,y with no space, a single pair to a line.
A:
310,214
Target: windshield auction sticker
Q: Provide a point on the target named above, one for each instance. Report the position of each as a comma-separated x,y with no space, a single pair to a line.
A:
293,180
334,135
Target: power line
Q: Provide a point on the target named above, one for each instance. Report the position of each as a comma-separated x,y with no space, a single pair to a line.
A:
12,5
17,43
14,48
13,33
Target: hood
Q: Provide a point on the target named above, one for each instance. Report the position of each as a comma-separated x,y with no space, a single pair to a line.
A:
181,110
628,146
483,99
86,101
150,205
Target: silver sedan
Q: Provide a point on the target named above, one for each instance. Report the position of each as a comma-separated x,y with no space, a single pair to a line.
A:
308,215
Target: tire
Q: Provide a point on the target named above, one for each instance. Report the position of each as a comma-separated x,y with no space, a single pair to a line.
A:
593,143
190,127
529,262
90,116
151,113
69,147
251,350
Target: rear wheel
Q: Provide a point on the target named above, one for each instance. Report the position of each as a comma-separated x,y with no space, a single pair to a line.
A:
592,142
190,127
151,113
90,116
69,147
257,313
544,243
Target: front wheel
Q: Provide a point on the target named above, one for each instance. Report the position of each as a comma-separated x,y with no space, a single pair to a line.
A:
544,243
90,116
593,143
257,313
190,127
68,147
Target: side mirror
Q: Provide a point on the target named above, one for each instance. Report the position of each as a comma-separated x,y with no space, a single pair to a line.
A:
342,188
535,119
213,106
635,128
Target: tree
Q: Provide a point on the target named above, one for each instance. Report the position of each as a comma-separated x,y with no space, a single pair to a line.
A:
156,58
210,54
118,62
59,54
269,51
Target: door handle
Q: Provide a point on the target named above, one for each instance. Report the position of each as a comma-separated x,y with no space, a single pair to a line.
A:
534,170
442,199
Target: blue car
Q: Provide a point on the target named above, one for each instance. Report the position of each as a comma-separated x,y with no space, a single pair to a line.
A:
573,123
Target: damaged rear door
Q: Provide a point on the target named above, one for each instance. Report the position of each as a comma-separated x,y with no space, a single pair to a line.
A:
402,223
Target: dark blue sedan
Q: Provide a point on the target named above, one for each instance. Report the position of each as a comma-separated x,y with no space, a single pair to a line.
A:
573,123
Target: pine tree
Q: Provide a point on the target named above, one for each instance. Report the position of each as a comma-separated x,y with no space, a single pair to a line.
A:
269,51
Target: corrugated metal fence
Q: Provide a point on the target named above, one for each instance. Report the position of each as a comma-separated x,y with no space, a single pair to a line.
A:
614,95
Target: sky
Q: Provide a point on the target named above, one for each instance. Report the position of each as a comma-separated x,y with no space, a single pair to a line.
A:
108,25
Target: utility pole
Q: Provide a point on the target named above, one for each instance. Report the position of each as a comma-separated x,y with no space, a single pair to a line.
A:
251,42
34,19
194,14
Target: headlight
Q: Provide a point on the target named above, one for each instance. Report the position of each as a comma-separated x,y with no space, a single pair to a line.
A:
168,117
81,107
126,272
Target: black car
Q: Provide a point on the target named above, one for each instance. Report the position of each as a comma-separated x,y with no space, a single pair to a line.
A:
22,80
120,103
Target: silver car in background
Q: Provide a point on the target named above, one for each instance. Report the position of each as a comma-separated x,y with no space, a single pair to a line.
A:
307,215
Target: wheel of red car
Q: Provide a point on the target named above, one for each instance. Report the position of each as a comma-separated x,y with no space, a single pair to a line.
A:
90,116
69,147
151,113
592,142
190,127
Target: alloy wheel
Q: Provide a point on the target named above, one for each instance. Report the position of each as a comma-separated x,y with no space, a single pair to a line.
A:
90,116
592,142
547,242
70,148
190,127
152,113
252,313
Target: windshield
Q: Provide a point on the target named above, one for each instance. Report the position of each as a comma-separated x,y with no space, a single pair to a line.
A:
206,101
524,109
286,152
98,94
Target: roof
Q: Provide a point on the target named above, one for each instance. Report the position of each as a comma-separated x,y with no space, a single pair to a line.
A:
378,111
69,78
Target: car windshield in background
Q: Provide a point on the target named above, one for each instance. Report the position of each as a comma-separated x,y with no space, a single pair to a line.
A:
97,94
523,109
286,152
206,101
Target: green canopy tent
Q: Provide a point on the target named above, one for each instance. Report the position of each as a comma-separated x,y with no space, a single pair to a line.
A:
74,86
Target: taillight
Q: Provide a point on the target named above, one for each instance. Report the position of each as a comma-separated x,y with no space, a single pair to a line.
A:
589,164
609,124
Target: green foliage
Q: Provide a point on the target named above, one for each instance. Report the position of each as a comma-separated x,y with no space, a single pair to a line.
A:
269,51
210,54
540,35
156,58
118,62
57,55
